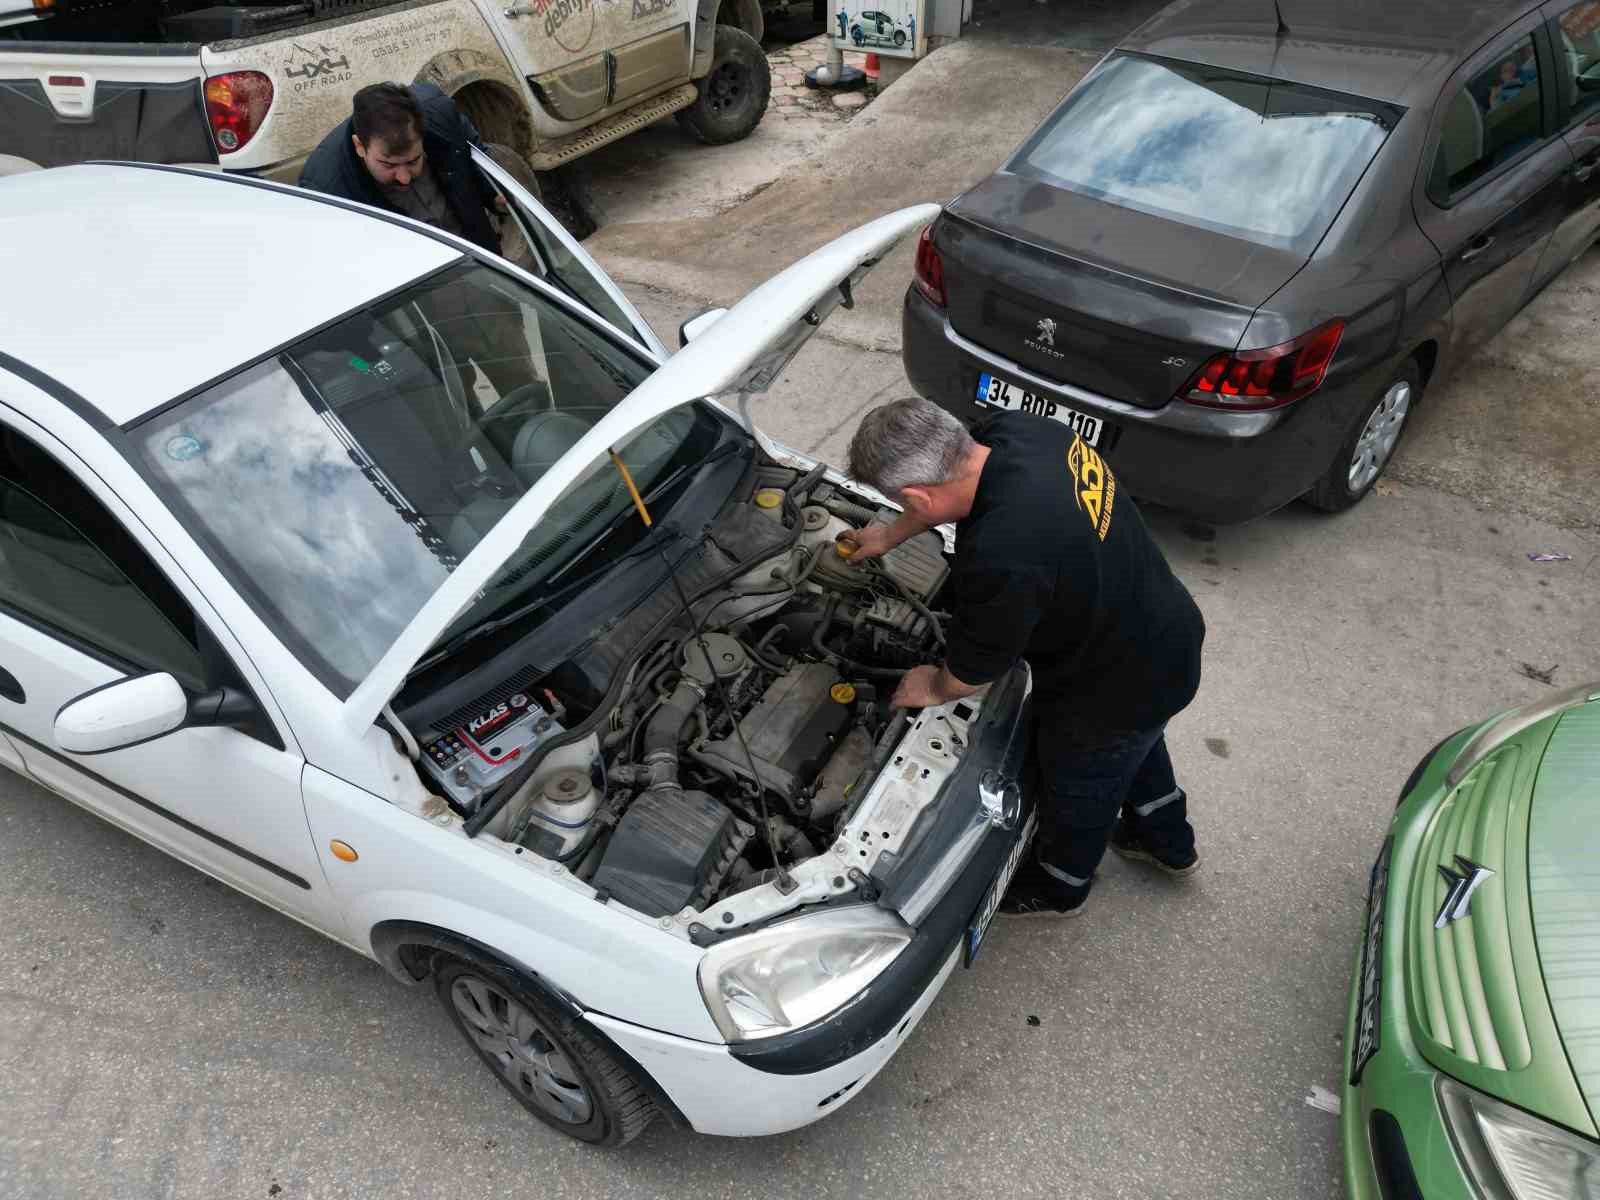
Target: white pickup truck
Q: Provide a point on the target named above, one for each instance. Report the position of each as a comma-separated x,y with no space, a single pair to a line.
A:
253,87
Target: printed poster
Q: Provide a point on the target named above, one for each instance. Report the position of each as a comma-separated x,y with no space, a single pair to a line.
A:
890,27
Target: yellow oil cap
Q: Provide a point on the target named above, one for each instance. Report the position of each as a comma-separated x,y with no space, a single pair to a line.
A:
842,693
769,498
844,550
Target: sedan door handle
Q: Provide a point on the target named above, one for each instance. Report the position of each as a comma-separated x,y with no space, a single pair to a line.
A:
1477,248
10,688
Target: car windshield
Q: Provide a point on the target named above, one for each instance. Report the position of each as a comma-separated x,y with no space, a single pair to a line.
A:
1265,161
338,482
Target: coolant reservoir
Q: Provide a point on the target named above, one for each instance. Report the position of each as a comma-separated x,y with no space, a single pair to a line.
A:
770,502
560,808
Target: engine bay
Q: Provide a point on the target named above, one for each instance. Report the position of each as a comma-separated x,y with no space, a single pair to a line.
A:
727,743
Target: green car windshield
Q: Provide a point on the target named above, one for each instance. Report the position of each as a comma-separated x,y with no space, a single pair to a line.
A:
338,482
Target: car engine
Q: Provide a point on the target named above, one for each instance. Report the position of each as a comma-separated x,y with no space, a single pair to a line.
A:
727,747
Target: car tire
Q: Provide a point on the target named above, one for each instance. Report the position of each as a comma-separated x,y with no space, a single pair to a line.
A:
1369,447
544,1057
733,95
899,37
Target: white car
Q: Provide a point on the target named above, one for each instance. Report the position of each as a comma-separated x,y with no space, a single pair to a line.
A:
319,569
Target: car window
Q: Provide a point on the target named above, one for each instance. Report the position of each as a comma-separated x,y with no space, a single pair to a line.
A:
66,561
1578,30
1489,121
1265,161
340,481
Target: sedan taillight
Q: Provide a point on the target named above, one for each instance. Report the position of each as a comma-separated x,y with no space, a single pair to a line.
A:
236,104
1256,379
929,277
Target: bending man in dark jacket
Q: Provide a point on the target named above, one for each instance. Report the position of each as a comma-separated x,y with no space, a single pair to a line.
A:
1052,565
408,150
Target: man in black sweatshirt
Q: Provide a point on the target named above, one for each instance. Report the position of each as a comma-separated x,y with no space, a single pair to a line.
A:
1053,566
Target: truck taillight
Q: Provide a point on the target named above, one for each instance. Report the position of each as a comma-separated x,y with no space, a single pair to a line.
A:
43,5
236,104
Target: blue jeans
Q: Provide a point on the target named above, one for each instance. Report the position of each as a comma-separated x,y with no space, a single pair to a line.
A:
1083,789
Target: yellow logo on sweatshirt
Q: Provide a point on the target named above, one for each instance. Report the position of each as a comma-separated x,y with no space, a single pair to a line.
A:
1095,487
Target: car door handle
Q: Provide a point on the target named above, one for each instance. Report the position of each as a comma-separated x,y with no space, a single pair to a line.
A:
1477,248
11,689
1582,173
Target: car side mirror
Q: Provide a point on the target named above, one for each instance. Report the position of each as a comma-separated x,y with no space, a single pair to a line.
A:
141,708
695,326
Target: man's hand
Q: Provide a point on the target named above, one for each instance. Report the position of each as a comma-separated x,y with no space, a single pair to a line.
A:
500,204
870,542
922,687
917,689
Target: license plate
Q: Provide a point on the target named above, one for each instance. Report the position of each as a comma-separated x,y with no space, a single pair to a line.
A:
991,902
997,393
1368,1013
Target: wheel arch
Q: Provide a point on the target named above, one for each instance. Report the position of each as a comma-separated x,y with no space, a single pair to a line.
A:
483,89
741,14
410,951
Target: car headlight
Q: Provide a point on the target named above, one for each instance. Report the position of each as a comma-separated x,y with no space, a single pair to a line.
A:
1513,1156
782,978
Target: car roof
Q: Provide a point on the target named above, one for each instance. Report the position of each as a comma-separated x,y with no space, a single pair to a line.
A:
1400,51
133,285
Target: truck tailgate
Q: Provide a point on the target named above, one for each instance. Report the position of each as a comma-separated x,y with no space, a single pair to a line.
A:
64,102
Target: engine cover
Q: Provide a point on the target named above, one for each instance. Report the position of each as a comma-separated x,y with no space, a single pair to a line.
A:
791,731
671,851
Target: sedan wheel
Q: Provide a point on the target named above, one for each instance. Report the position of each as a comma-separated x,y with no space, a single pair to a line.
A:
1379,436
528,1060
547,1057
1370,444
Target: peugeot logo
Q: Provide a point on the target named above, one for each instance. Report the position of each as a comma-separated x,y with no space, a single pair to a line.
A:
1461,884
1047,331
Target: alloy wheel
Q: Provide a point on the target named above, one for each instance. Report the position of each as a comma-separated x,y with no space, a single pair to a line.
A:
1378,437
521,1049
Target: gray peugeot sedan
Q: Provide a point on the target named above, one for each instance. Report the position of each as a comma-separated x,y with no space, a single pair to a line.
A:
1239,251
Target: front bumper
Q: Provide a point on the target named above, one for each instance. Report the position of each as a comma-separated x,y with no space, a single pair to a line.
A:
777,1084
1222,467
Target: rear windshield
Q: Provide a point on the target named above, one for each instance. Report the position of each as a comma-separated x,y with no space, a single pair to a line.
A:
1257,159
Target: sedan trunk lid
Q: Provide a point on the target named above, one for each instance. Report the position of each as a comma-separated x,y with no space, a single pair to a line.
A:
1118,302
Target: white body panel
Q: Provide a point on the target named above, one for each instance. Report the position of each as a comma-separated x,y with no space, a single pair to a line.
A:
718,1094
260,817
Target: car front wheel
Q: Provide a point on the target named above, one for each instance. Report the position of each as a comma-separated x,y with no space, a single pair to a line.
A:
1370,444
556,1070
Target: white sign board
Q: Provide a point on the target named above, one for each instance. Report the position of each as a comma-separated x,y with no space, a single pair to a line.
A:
890,27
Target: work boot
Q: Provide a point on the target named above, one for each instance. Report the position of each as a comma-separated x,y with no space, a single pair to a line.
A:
1036,892
1126,841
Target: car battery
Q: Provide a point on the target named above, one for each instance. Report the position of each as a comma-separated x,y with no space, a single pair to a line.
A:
471,759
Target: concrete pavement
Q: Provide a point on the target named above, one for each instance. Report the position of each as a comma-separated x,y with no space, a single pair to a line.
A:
161,1036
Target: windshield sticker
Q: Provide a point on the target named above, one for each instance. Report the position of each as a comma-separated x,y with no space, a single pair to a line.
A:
183,447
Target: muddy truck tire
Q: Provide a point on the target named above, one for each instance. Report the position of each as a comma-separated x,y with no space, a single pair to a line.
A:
734,93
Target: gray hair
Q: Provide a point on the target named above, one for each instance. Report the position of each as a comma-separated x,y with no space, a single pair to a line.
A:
908,442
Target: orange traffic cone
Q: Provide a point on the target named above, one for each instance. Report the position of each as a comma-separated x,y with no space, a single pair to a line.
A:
872,66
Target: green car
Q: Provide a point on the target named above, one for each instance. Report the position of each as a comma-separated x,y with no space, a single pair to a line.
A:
1474,1027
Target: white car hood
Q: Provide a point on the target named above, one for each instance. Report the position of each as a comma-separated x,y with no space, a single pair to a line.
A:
740,354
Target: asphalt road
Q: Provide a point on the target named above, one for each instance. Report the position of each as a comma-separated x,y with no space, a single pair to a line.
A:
161,1036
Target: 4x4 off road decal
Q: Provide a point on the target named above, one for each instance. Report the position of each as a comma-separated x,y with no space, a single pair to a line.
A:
1094,486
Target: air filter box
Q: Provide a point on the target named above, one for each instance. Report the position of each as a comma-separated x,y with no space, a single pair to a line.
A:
670,851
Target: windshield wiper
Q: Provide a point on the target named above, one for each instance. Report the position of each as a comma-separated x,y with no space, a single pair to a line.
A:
544,597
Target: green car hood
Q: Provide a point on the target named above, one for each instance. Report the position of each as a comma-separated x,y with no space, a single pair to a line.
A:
1564,881
1475,990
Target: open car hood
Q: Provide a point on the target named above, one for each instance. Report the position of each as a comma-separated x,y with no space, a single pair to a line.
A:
739,355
